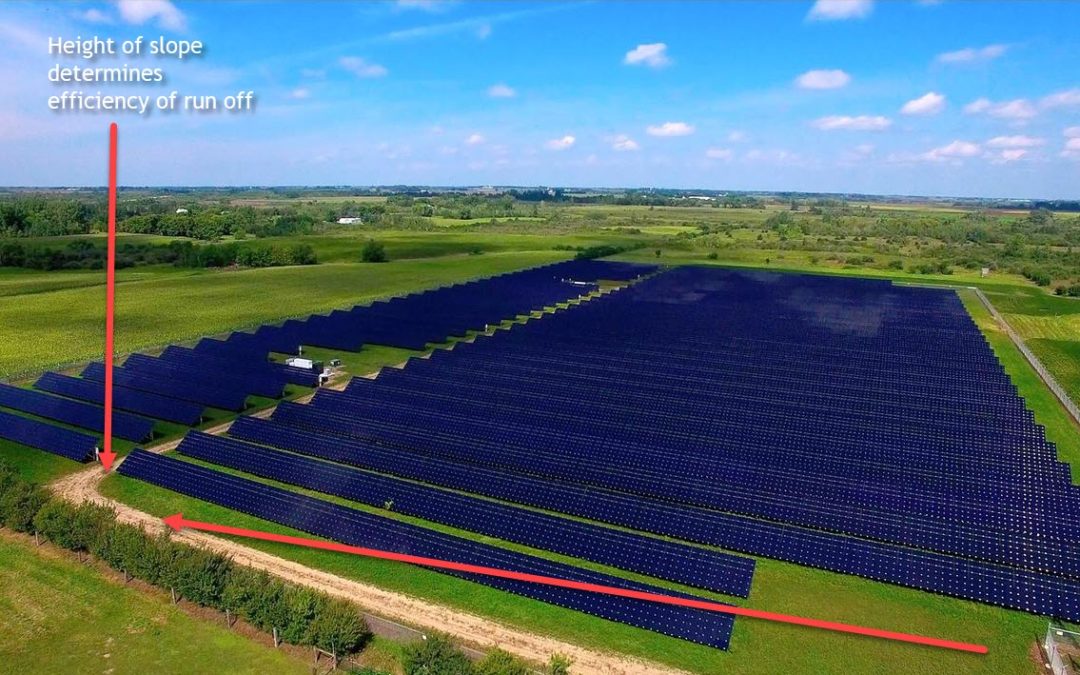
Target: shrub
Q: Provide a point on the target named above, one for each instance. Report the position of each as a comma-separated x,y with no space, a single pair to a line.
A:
559,665
304,606
713,256
437,655
340,628
373,252
500,662
19,505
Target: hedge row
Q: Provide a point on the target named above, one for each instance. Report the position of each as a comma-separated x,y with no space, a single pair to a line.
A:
300,615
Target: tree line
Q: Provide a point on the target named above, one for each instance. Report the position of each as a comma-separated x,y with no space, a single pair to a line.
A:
87,255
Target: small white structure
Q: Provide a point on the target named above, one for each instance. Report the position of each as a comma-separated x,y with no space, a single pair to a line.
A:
181,210
296,362
985,272
350,221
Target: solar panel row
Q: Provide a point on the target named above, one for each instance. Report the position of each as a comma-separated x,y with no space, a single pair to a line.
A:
32,433
948,575
325,519
654,557
84,415
124,398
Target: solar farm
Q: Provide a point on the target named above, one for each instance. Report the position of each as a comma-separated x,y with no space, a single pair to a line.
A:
674,423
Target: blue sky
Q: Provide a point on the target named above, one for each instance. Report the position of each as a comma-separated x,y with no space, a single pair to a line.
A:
935,98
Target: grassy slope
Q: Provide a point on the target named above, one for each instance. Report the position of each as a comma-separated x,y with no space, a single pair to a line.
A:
58,616
49,328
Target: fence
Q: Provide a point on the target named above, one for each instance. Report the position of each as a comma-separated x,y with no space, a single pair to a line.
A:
1060,646
1056,388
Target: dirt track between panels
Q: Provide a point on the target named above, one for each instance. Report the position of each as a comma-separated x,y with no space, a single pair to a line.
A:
472,630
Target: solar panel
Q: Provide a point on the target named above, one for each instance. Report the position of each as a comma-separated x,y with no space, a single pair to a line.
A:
359,528
128,427
41,436
132,400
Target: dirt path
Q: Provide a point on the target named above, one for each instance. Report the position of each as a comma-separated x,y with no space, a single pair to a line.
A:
473,630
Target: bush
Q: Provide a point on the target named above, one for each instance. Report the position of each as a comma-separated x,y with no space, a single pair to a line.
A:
499,662
20,504
76,528
340,628
559,665
304,606
197,574
373,252
713,256
437,655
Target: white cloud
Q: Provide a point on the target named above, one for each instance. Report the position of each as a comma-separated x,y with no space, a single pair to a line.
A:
653,55
1072,132
483,31
361,68
300,93
832,10
856,123
624,143
1061,99
930,103
424,5
94,16
725,154
973,54
1014,142
163,12
822,79
501,91
737,136
313,73
670,129
952,151
1017,109
560,143
475,139
1072,148
1011,155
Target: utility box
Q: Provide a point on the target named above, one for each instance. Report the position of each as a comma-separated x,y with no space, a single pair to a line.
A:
306,364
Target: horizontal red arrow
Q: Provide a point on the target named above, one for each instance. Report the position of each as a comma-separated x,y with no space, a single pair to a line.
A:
177,522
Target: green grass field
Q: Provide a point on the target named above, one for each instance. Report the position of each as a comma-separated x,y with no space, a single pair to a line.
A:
60,616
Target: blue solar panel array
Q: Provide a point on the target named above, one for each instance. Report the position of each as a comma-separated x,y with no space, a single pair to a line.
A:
75,413
132,400
693,566
59,441
846,424
359,528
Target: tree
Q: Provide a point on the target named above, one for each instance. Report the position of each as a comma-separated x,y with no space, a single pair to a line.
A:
373,252
20,504
340,628
437,655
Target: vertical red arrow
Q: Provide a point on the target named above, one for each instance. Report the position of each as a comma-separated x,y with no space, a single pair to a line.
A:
107,455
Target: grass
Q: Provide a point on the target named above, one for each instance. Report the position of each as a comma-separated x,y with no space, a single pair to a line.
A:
58,327
59,616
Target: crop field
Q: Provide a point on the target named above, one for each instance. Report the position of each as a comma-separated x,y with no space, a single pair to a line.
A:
49,329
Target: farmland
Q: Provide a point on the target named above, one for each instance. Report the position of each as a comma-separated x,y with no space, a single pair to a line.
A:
52,319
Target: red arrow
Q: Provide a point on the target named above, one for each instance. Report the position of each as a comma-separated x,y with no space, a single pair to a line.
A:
177,523
107,455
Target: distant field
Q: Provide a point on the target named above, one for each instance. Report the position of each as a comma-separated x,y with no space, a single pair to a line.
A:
59,616
46,329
